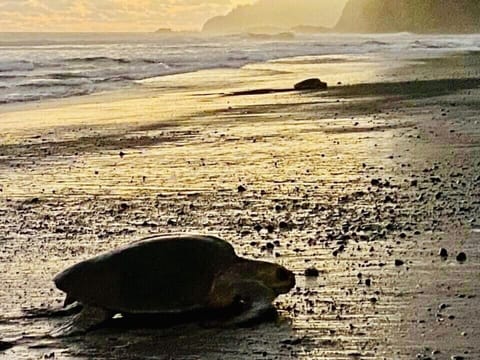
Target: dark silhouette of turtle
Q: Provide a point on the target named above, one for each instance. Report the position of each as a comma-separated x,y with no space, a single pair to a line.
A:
170,274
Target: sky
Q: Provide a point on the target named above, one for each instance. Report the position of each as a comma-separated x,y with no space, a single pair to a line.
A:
110,15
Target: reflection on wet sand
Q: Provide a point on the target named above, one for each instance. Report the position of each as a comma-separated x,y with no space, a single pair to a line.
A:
362,187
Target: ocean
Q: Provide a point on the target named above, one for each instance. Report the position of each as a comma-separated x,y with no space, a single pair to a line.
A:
37,66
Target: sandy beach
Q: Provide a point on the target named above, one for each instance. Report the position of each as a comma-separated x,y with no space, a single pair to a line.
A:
366,182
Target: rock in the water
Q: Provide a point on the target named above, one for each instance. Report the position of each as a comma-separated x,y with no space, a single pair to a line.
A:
311,84
462,257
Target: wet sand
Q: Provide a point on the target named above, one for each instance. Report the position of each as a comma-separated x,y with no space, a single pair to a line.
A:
365,182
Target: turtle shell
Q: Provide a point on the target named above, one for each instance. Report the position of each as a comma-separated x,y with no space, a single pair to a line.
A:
161,274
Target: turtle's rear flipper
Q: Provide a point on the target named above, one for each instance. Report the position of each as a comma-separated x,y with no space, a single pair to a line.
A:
88,319
73,308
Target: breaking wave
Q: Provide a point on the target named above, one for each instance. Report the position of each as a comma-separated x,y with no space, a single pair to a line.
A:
36,66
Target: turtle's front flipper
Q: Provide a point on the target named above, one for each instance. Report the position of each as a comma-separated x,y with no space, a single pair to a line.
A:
89,318
253,299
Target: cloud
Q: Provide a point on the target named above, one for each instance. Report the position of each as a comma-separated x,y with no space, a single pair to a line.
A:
109,15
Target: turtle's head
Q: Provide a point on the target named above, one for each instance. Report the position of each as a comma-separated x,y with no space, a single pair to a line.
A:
276,277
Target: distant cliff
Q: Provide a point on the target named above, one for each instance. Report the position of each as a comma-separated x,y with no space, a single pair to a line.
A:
281,15
419,16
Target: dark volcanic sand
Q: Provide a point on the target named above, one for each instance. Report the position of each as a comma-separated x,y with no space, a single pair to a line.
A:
365,183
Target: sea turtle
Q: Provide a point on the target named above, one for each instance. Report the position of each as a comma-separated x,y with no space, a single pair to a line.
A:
170,274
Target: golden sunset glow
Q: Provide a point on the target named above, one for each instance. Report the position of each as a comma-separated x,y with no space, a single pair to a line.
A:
239,179
109,15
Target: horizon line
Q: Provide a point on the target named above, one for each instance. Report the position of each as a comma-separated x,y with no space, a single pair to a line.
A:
93,32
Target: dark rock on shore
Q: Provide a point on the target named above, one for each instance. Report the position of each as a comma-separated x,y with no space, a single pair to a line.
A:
311,84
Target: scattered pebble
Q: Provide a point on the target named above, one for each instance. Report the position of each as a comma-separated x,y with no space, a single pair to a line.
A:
388,199
443,306
462,257
283,225
399,262
312,272
443,253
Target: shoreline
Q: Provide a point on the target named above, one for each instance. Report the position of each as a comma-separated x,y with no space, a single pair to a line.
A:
143,87
134,86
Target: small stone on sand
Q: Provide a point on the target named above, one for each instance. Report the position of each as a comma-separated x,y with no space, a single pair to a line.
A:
462,257
312,272
241,189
